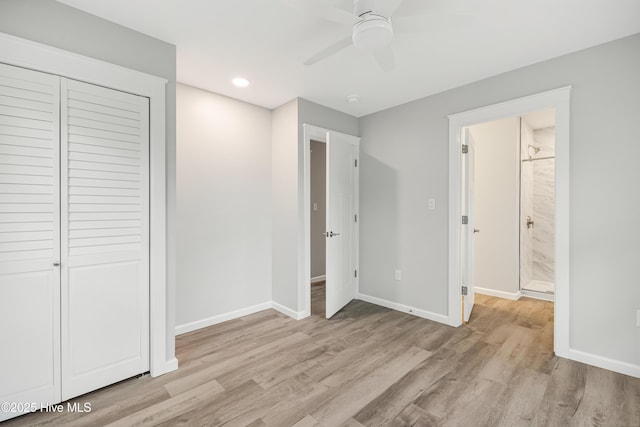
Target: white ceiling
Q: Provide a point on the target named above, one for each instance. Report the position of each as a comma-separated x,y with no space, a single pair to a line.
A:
267,42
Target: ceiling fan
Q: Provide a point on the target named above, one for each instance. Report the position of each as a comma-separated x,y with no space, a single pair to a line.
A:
372,26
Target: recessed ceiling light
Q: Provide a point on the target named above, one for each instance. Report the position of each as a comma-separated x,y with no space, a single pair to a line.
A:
353,98
240,82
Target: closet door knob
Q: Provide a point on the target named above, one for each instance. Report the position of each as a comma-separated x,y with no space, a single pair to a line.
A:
56,264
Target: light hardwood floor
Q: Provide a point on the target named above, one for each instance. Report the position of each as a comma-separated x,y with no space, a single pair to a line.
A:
369,366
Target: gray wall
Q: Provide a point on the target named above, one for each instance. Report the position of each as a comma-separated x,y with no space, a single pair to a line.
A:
287,190
61,26
318,177
404,161
284,204
224,205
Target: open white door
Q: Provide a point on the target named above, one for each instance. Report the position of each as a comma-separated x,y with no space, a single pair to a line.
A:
468,230
341,231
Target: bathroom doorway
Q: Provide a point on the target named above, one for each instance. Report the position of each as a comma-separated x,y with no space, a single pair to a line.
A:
511,228
559,101
537,204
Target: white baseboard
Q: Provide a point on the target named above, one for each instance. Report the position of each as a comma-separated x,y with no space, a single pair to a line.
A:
318,279
209,321
605,363
297,315
500,294
405,308
169,365
538,295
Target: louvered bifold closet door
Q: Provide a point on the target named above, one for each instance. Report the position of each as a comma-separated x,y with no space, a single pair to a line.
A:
29,239
105,237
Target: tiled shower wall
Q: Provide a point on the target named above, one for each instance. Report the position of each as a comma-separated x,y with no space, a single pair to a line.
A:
543,205
526,206
537,201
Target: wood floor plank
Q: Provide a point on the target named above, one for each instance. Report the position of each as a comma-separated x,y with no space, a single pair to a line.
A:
368,366
393,401
502,366
563,395
215,369
170,408
413,415
352,399
518,404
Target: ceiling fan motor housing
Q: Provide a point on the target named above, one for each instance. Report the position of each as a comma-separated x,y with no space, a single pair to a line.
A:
372,32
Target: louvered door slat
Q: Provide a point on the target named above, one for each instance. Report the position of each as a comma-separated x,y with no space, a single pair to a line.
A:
24,141
105,244
113,149
25,113
22,150
27,94
29,236
106,118
76,104
27,104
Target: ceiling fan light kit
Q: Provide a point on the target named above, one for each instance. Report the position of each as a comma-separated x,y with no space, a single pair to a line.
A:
372,32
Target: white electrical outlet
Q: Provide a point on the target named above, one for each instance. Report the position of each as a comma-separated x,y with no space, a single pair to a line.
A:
432,204
398,275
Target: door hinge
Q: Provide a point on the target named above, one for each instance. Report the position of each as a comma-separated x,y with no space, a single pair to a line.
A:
356,163
465,148
465,290
356,218
355,273
465,219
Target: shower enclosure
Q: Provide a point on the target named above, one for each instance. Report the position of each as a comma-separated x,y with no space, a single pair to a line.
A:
537,209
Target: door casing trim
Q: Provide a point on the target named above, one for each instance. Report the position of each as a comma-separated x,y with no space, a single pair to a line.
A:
319,134
559,99
40,57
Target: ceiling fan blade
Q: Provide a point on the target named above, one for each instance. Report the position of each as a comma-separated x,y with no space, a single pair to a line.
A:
331,50
385,58
329,13
421,7
387,7
430,23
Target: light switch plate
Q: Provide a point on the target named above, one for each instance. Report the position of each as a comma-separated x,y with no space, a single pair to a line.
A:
315,206
432,204
398,275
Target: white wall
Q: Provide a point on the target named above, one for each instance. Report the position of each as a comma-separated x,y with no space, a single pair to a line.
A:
61,26
404,161
497,205
224,205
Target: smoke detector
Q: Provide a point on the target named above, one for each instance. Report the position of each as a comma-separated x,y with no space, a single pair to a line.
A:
352,99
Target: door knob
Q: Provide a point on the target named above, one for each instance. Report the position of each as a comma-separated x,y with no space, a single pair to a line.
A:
475,230
56,264
331,234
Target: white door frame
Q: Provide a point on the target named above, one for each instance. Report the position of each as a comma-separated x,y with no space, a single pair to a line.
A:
319,134
39,57
560,100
